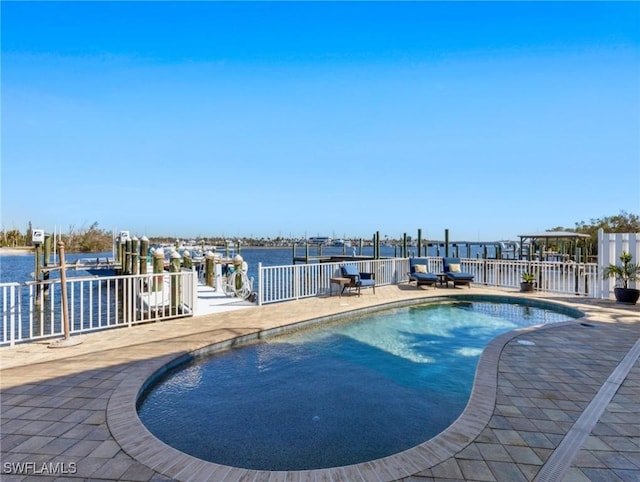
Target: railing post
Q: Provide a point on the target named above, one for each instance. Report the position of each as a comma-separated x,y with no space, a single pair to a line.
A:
484,270
12,316
194,291
127,301
260,284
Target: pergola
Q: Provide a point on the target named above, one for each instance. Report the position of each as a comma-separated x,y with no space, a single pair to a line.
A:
561,238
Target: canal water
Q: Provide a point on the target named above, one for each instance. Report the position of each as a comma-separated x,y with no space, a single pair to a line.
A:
20,268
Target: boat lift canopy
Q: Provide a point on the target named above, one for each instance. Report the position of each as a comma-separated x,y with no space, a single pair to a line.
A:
545,237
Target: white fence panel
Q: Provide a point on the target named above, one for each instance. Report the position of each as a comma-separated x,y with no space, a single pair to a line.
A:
11,311
551,276
610,247
34,310
283,283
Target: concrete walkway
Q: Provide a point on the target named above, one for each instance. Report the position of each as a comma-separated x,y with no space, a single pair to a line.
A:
563,406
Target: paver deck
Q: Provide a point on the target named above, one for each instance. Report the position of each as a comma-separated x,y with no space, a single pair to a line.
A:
565,406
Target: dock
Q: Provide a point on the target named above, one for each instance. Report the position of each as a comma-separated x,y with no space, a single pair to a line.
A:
211,301
329,259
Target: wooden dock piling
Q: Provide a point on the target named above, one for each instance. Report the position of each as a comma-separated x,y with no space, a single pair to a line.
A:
37,272
128,256
158,267
187,260
144,249
135,256
209,267
446,243
174,267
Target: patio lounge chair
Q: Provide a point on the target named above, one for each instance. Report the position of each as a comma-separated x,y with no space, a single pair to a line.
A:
358,280
451,267
419,272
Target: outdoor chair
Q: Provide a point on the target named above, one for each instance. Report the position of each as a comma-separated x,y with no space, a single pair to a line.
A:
451,267
357,280
419,272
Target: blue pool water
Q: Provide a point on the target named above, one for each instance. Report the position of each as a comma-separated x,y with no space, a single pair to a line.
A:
332,395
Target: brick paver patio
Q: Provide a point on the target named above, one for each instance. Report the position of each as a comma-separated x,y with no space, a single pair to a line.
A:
563,406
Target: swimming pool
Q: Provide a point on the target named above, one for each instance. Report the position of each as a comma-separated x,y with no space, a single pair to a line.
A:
332,395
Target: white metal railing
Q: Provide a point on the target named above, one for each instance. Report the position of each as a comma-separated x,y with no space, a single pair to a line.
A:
292,282
34,310
551,276
282,283
11,305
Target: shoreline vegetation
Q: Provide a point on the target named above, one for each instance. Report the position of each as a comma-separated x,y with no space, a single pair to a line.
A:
5,251
96,240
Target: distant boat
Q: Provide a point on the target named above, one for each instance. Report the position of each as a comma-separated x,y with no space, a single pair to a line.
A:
339,243
319,240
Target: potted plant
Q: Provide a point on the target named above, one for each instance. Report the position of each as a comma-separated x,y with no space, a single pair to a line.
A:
528,281
623,275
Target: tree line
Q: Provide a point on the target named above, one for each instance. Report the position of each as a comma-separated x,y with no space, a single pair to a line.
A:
76,240
96,240
621,223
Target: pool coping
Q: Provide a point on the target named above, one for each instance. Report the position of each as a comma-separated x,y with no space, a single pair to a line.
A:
136,440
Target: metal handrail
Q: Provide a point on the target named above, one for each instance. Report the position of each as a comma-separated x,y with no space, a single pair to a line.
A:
32,310
283,283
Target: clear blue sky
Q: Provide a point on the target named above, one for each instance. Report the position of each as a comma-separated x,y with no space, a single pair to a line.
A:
297,118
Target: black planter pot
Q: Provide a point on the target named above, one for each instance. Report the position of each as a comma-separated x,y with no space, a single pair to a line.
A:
526,286
627,296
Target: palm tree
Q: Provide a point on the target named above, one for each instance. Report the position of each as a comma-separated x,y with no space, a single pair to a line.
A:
624,274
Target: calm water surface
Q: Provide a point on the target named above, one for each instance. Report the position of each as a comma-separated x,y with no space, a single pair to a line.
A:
19,268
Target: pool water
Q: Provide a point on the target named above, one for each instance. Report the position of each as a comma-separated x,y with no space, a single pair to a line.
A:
335,394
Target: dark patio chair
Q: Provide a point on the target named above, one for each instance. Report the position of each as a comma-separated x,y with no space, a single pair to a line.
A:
419,272
451,267
358,280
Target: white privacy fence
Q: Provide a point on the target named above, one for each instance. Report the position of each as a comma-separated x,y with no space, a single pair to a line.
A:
610,247
34,310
